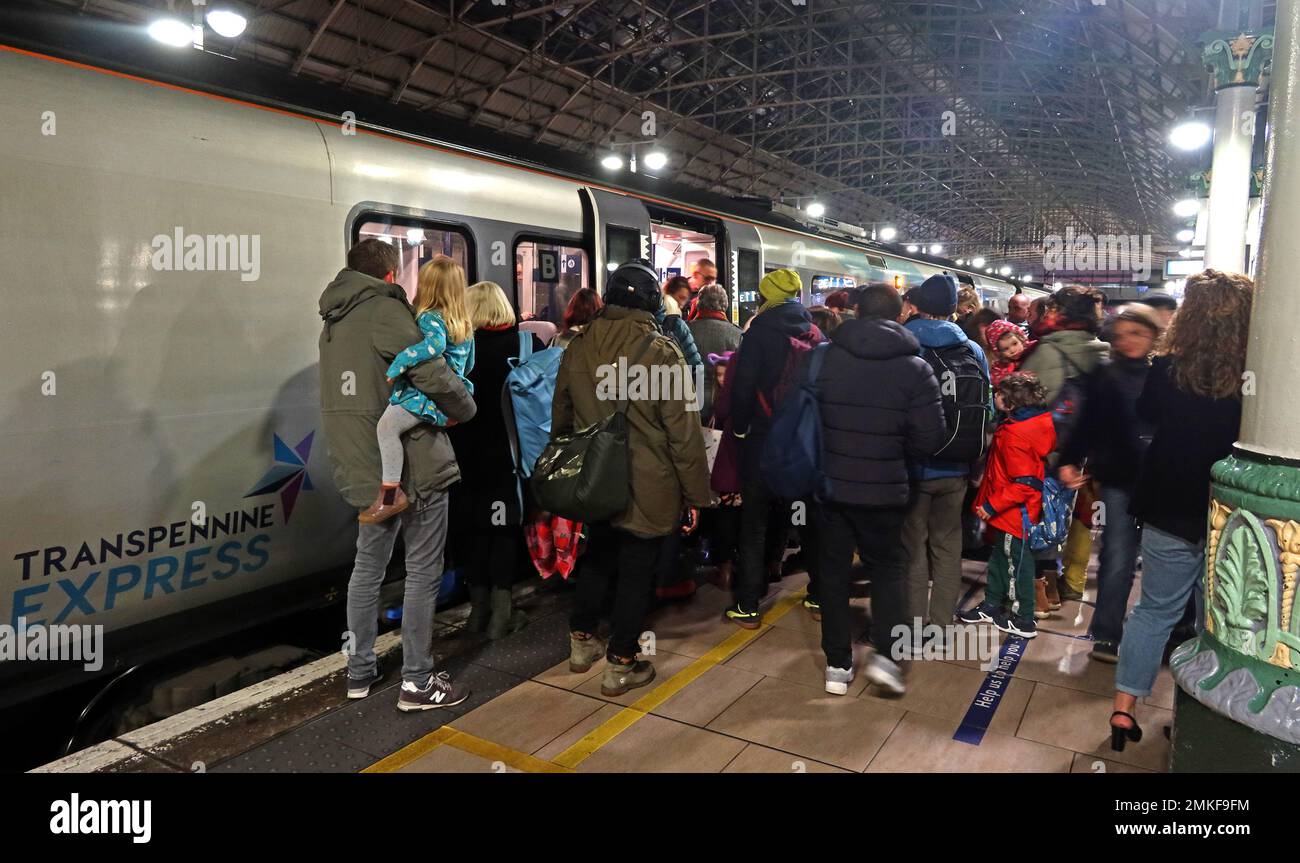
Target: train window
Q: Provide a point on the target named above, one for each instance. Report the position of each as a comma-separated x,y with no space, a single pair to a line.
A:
621,245
547,275
417,242
824,286
876,261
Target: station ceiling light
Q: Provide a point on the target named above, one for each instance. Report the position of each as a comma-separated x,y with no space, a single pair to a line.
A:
960,262
1186,235
816,209
227,22
1187,207
611,162
887,233
655,159
977,263
914,248
936,249
1191,135
173,32
1006,271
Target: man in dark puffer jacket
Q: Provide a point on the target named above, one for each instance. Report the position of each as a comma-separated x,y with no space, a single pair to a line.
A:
880,405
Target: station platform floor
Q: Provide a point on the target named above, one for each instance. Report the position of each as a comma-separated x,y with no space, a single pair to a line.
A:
724,700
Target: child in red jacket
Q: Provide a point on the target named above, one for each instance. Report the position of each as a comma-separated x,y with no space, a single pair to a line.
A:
1016,460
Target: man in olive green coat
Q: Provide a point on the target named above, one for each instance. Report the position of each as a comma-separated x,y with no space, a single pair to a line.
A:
367,322
668,471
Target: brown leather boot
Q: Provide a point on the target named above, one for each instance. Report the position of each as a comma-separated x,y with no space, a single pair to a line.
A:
388,502
1041,605
1053,591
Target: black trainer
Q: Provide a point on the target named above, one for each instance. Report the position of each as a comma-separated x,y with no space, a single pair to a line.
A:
359,687
438,691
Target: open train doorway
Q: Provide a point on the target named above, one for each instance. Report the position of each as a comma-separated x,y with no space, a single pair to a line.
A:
679,241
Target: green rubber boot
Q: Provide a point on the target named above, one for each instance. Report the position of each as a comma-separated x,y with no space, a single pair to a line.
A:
505,617
480,608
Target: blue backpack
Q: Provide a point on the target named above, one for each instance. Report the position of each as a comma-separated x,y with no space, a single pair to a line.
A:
792,453
1058,509
526,402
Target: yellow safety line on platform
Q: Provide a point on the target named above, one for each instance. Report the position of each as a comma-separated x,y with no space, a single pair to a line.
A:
567,761
639,709
447,736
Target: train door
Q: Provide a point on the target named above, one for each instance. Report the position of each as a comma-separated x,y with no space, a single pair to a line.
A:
743,270
618,230
679,240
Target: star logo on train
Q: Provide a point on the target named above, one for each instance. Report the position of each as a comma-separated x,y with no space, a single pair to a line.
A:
288,475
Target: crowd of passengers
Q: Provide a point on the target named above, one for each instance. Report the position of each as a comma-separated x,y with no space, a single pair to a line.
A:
940,420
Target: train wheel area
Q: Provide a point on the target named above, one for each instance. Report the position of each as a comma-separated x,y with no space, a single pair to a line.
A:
724,699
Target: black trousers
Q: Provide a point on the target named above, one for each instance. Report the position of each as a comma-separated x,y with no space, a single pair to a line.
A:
764,528
624,564
876,534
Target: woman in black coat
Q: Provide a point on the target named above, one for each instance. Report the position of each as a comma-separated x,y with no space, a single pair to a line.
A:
1192,398
485,505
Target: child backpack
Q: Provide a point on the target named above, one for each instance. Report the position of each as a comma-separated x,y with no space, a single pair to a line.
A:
526,402
965,393
792,453
1053,525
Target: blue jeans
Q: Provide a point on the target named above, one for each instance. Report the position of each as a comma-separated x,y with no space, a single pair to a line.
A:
1119,550
1171,570
424,532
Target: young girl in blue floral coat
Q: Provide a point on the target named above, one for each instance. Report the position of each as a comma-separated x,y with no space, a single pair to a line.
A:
442,316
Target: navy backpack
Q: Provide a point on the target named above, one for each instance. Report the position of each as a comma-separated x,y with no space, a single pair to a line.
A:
792,453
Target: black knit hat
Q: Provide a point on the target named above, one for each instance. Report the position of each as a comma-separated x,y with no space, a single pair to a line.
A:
634,285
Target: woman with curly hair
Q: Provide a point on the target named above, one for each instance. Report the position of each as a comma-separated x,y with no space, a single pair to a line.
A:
1192,398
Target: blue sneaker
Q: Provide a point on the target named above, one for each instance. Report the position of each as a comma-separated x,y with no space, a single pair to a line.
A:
985,612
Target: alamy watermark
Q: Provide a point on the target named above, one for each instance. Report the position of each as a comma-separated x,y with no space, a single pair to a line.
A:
1074,252
624,381
57,642
953,642
179,251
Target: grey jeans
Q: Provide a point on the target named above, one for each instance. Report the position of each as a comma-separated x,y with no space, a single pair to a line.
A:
424,531
932,538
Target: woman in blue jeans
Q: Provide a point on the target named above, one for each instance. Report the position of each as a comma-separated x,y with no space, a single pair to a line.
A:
1107,445
1192,398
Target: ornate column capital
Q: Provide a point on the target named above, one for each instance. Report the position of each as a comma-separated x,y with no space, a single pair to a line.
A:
1237,59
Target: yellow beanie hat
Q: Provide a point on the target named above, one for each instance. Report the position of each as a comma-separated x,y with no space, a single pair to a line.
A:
779,286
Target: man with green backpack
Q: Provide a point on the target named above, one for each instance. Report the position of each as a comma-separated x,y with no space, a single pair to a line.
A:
621,363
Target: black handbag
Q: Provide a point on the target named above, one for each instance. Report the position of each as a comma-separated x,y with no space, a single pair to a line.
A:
584,475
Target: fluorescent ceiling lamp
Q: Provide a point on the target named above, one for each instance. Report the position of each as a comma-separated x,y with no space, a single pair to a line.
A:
887,233
1190,136
226,22
173,32
961,262
815,209
936,249
1187,208
1006,271
1186,236
914,248
654,160
977,263
611,162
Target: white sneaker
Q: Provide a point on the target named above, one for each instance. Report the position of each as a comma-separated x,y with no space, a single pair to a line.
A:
838,680
885,674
